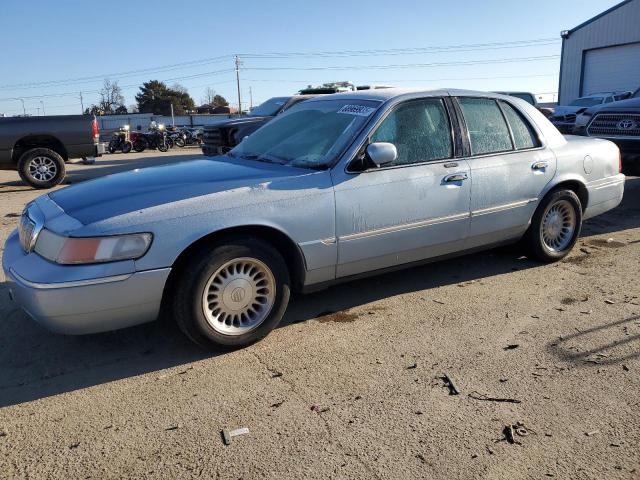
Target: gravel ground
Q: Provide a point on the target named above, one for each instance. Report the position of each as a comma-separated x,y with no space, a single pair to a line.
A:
349,386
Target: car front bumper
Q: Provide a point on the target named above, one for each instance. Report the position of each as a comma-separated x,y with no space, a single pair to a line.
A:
86,305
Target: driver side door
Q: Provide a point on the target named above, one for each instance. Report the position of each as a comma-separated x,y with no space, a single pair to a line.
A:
415,208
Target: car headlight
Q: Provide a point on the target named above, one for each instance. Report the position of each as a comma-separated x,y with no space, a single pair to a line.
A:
76,250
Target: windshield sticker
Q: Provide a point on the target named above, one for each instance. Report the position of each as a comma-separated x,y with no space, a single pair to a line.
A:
357,110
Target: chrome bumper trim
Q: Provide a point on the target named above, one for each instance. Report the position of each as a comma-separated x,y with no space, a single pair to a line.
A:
78,283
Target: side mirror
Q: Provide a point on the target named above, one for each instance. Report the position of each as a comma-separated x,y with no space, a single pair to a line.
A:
382,153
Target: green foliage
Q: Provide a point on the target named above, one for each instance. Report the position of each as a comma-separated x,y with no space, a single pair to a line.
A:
156,97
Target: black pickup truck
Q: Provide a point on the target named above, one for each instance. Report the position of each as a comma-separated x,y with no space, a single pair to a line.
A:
39,147
618,122
222,137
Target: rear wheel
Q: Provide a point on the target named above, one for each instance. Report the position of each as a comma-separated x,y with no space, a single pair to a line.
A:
555,226
41,168
139,145
232,295
179,141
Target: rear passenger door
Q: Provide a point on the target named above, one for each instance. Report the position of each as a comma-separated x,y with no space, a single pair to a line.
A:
509,166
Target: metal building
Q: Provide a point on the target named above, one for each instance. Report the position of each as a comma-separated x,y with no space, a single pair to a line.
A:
602,54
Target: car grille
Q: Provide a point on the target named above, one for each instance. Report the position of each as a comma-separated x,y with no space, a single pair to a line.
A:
26,230
213,136
615,125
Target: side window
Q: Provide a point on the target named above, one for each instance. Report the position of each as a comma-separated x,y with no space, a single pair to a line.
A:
419,129
488,131
523,133
608,100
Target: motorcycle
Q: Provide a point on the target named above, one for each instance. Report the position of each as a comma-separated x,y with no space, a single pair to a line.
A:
156,137
120,140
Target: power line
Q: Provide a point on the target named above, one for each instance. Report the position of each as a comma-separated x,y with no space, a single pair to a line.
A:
406,51
415,80
413,65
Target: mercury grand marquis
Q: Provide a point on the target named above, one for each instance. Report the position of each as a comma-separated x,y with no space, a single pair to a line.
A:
335,188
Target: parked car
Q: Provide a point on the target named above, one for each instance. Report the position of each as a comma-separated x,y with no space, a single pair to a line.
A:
564,116
38,147
336,187
222,137
618,122
530,98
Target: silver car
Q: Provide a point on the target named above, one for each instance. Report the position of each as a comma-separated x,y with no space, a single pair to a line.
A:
337,187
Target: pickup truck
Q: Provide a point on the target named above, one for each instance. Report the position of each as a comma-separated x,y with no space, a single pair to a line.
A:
618,122
223,136
39,147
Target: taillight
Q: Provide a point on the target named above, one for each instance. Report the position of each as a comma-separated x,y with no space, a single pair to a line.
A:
619,161
95,131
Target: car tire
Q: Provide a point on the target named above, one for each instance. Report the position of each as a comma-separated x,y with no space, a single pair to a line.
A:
231,294
555,226
126,147
41,168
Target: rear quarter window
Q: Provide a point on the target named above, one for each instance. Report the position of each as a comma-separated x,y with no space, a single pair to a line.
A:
524,135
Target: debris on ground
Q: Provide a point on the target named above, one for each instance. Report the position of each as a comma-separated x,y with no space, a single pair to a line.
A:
592,433
172,427
412,366
3,433
625,368
74,445
275,373
277,404
481,396
609,302
319,409
450,384
227,435
509,433
513,346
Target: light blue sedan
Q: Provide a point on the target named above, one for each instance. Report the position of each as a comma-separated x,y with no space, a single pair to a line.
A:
337,187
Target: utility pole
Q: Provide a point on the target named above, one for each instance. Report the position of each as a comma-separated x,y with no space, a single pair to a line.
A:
42,103
238,84
24,111
250,99
38,110
173,121
81,105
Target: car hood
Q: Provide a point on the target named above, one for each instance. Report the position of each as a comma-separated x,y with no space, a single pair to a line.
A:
243,121
139,189
628,104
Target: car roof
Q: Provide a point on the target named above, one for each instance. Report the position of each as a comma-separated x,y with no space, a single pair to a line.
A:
385,94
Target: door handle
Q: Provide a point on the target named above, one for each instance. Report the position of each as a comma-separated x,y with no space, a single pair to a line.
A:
455,177
539,165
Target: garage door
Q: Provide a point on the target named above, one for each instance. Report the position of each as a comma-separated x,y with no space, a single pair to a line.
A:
611,68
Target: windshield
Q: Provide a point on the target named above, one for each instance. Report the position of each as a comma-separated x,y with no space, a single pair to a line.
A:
269,108
586,101
309,135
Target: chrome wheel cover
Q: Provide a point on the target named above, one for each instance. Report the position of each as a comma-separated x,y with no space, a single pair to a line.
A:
239,295
558,226
42,169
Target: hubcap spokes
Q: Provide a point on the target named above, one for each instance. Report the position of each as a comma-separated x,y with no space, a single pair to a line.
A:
558,226
42,168
239,296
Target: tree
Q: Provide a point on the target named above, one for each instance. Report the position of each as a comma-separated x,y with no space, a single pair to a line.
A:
212,98
156,97
111,97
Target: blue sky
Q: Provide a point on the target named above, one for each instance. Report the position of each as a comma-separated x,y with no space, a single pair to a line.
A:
66,42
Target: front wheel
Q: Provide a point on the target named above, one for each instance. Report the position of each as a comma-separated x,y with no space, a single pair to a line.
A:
127,146
163,146
233,294
179,141
555,227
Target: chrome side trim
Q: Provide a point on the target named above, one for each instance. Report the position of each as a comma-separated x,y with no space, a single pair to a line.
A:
501,208
607,184
78,283
404,226
324,241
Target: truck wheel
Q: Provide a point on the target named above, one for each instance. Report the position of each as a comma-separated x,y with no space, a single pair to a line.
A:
555,226
41,168
232,295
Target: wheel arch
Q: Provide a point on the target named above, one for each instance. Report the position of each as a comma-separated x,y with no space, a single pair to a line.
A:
574,184
279,240
29,142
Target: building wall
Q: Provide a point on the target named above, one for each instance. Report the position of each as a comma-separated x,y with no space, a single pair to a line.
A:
618,27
